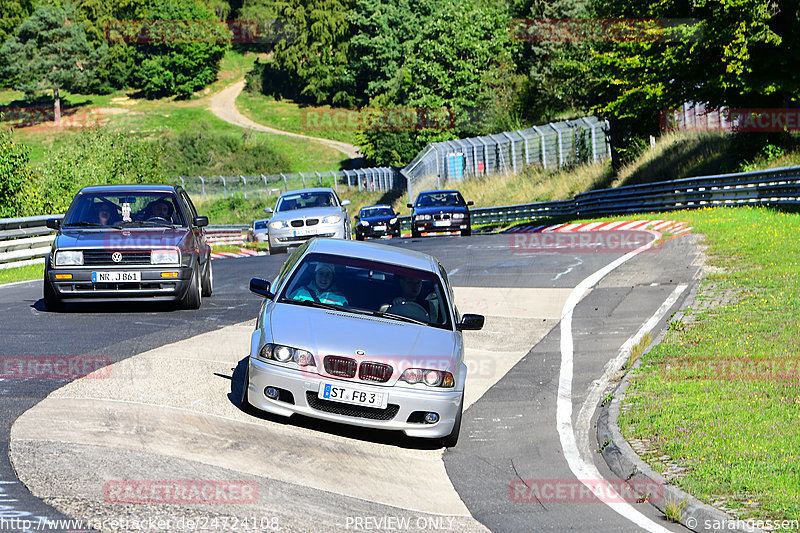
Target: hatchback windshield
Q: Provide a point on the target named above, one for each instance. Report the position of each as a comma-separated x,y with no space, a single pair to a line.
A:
376,212
290,202
440,199
115,209
368,287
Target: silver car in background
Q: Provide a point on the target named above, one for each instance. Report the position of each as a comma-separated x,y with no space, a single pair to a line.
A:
362,334
304,214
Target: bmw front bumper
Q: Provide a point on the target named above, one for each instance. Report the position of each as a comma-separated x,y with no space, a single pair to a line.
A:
404,404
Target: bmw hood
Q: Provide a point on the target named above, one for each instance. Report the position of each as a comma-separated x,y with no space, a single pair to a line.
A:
363,338
309,212
120,239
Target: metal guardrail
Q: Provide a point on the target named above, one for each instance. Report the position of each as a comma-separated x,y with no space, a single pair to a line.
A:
773,187
27,241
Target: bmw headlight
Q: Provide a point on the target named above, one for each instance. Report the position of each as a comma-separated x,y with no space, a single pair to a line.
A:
432,378
331,219
422,217
393,221
458,216
69,258
279,224
364,223
165,257
285,354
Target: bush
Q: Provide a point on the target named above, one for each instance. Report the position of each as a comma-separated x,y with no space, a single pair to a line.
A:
17,178
98,157
202,152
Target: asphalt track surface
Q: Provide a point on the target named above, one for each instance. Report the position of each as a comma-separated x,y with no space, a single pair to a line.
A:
508,434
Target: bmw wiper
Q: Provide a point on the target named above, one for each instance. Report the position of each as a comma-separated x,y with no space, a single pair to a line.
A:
401,318
312,303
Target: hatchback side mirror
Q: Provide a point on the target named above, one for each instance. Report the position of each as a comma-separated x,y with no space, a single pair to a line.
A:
261,287
470,322
470,203
53,223
200,222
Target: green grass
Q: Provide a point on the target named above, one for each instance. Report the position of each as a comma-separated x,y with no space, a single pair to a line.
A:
721,395
23,273
288,116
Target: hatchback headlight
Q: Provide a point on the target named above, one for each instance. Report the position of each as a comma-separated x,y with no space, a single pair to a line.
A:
69,258
331,219
165,257
285,354
279,224
430,377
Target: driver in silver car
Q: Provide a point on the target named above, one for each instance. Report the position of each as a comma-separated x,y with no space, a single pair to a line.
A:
322,288
408,305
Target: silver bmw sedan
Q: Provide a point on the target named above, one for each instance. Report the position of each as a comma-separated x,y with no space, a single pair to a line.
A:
362,334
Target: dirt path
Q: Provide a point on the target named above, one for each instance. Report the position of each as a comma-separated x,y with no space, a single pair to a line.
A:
223,105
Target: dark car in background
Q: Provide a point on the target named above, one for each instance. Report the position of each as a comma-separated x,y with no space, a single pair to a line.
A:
440,211
375,221
129,243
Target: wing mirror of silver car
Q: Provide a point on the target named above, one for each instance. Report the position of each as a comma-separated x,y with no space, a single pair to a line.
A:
53,223
345,202
470,322
268,210
200,222
261,287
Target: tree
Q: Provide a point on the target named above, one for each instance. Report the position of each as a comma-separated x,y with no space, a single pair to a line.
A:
734,54
12,13
49,51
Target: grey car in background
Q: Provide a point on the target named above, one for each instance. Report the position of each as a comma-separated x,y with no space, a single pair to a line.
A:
362,334
304,214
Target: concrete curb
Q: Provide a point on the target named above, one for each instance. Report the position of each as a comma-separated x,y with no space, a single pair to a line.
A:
626,463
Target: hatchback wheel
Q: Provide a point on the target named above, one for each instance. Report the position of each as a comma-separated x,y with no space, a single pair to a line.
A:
208,279
51,300
194,296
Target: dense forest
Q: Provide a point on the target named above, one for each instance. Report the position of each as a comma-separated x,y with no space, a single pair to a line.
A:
490,65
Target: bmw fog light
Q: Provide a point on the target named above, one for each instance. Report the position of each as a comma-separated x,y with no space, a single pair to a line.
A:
431,418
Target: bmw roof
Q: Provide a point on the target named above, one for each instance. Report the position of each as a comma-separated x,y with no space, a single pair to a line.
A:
374,252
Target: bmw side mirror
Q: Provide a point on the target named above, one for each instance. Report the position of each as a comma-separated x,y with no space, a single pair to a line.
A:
261,287
410,206
53,223
357,217
345,202
470,203
200,222
470,322
268,210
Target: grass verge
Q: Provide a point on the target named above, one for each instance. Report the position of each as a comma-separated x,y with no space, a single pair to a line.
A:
720,395
23,273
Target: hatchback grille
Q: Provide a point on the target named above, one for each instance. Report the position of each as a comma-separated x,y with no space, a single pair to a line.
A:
377,372
340,366
351,410
129,257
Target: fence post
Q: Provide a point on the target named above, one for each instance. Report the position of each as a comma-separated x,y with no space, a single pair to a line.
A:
335,181
183,183
438,169
319,179
244,180
358,179
203,182
513,152
266,187
544,155
285,185
224,185
304,179
527,149
560,145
